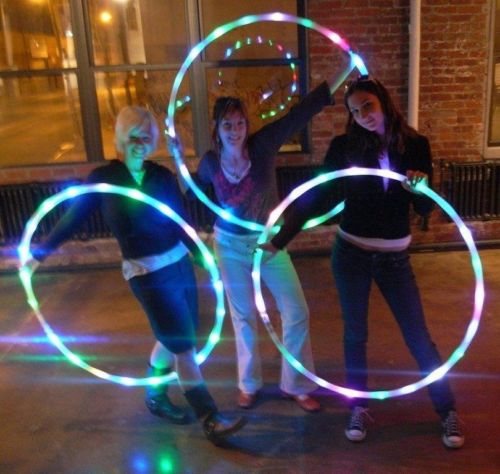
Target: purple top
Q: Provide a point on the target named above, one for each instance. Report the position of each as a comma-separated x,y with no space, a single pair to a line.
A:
256,195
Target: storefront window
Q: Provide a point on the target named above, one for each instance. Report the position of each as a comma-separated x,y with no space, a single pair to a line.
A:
68,66
285,33
138,31
40,120
146,88
267,92
35,35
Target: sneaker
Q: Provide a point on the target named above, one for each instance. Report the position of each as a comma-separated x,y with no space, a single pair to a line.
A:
356,429
452,436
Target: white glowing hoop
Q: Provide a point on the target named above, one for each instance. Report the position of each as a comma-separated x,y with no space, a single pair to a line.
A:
476,265
355,62
25,275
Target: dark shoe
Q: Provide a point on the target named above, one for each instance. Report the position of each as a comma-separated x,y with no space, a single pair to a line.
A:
356,428
452,436
217,426
247,400
306,402
158,402
161,406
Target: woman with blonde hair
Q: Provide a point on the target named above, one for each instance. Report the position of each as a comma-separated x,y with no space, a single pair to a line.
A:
155,264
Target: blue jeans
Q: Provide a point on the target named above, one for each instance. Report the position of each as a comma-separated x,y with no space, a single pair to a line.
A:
169,297
354,269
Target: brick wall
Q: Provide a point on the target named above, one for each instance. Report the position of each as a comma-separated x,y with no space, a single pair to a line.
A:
378,31
453,77
454,48
453,66
46,173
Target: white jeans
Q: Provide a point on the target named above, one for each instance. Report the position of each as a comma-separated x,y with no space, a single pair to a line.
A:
234,255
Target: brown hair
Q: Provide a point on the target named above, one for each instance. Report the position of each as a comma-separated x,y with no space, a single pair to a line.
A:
222,107
396,127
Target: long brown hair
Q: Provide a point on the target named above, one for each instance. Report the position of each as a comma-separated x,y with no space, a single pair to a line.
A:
397,129
222,107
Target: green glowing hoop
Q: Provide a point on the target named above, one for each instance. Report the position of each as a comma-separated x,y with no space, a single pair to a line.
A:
437,373
25,276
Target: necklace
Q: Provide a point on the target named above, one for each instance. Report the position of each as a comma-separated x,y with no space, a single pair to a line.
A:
235,175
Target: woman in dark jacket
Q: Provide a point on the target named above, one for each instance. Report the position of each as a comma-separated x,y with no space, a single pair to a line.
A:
373,238
155,263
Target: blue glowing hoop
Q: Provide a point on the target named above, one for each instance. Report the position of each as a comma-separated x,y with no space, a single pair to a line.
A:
476,265
355,62
25,275
259,40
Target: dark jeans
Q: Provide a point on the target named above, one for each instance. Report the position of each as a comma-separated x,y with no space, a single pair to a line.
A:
170,299
354,269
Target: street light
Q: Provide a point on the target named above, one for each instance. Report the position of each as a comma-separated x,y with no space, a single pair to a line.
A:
105,17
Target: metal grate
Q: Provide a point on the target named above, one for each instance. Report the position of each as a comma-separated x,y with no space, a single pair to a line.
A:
473,189
19,202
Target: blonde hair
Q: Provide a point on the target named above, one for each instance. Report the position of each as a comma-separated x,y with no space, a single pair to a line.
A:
134,117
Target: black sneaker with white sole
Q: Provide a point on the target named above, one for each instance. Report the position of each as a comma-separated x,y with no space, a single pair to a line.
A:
356,428
452,435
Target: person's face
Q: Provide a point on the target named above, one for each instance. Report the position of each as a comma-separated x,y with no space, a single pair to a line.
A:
233,130
366,110
138,147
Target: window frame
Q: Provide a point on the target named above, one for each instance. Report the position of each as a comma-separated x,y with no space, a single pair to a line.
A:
86,71
197,78
491,151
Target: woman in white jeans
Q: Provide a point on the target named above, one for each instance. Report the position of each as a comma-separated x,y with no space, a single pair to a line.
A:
234,253
241,167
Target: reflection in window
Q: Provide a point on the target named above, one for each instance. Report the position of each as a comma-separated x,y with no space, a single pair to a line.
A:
217,12
135,51
40,123
40,119
147,88
138,31
267,92
35,35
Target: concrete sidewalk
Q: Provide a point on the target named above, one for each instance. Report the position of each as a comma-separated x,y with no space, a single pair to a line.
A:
57,418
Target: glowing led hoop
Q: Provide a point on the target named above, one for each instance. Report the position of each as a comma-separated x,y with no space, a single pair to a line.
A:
355,62
180,103
25,276
293,85
476,265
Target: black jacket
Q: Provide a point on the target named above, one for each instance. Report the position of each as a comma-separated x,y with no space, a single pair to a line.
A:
140,229
369,210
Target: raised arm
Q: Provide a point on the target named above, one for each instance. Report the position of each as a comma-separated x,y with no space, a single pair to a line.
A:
339,78
175,148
